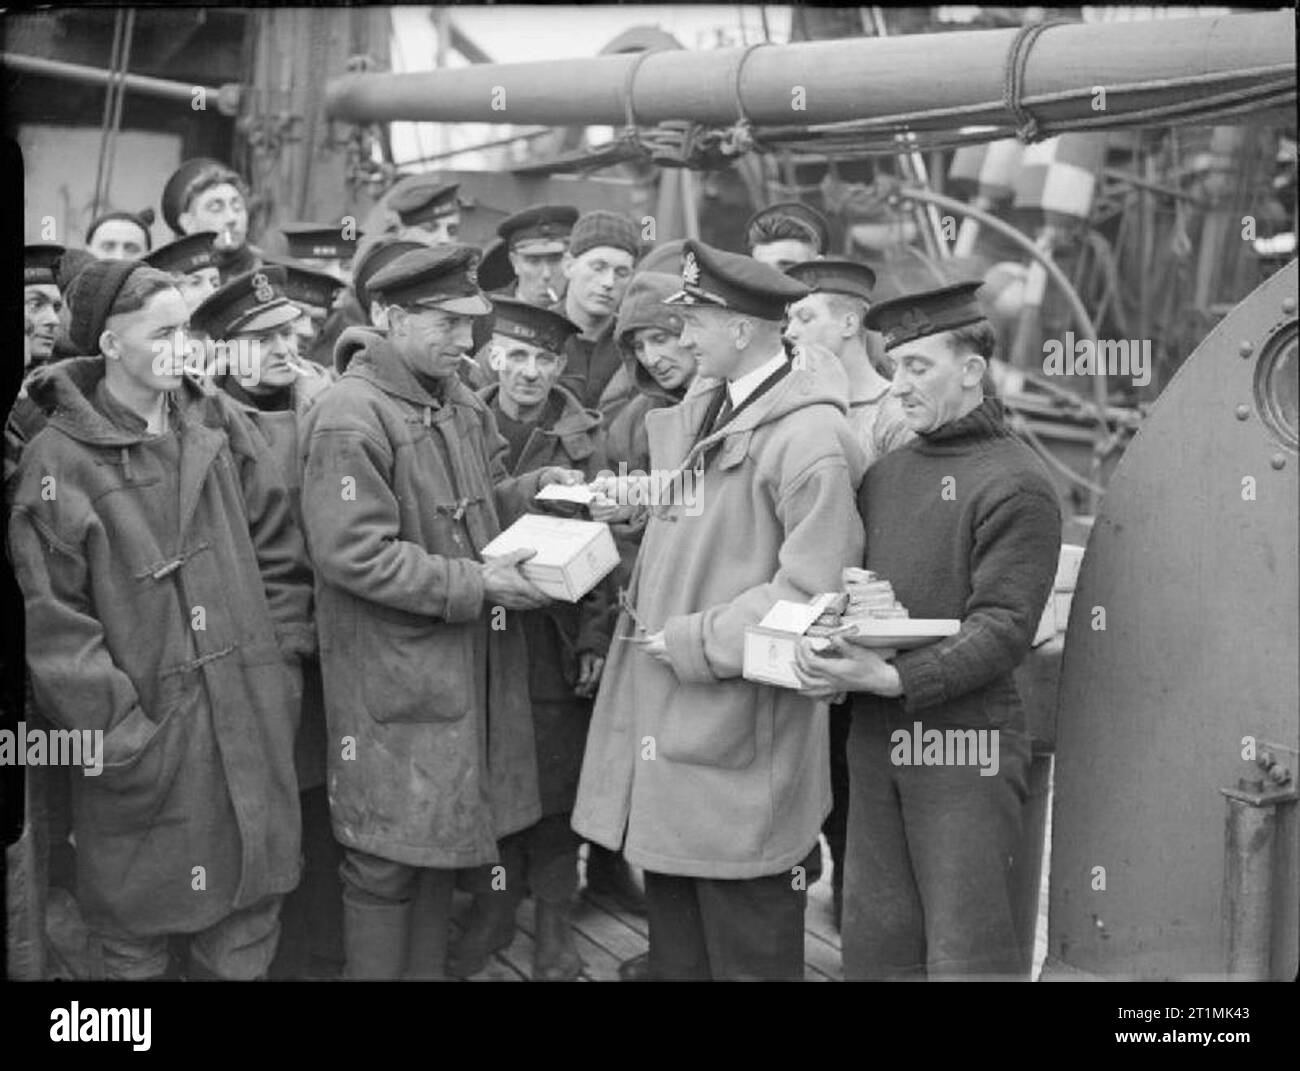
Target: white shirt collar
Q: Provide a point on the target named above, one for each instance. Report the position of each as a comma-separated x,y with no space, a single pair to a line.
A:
742,388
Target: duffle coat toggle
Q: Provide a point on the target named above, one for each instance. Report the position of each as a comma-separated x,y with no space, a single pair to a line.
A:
163,569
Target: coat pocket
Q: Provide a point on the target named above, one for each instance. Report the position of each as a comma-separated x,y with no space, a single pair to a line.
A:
711,725
142,758
414,669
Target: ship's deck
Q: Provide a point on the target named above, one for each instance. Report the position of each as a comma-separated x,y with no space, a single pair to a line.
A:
607,935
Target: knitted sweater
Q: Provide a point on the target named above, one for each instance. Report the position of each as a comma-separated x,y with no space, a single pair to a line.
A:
964,522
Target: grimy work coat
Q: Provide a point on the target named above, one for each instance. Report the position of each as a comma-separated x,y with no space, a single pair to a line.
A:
691,769
198,722
558,633
431,755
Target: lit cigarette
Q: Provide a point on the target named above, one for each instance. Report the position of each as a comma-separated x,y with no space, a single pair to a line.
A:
552,295
298,366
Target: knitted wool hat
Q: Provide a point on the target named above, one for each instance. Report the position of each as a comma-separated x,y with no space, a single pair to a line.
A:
601,228
70,264
91,295
142,219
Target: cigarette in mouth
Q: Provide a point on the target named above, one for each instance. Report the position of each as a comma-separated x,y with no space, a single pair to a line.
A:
552,295
297,366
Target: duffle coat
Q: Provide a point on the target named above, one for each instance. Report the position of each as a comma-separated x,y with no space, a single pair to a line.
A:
431,755
164,591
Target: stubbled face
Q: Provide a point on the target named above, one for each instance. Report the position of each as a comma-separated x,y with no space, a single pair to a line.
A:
541,277
119,239
196,285
274,349
933,382
143,343
813,322
441,231
431,341
527,372
42,305
598,278
784,253
662,354
712,337
219,208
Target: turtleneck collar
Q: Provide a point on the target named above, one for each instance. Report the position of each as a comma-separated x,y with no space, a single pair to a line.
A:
985,421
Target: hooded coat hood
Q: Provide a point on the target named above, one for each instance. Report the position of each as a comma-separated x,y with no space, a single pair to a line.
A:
643,307
352,340
62,391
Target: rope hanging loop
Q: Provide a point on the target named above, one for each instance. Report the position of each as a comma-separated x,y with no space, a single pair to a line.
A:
1013,86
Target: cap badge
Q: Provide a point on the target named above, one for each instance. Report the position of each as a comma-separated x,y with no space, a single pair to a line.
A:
262,288
915,322
690,269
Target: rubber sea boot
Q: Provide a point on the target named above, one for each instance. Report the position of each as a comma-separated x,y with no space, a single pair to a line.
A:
555,954
375,937
430,919
491,928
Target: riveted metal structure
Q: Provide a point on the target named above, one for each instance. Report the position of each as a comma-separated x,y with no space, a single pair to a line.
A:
1179,669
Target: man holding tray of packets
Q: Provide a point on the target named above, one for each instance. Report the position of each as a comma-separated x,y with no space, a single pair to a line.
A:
717,785
965,524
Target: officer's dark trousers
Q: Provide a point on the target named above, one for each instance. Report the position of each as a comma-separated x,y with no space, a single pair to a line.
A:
836,826
705,929
929,858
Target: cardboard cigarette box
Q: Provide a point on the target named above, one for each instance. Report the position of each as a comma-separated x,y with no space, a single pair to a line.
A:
770,645
769,656
572,556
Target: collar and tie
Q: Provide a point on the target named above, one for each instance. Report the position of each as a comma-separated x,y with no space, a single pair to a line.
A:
722,411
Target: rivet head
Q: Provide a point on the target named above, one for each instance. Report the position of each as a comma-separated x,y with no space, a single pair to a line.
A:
1288,305
1243,412
1246,348
1277,461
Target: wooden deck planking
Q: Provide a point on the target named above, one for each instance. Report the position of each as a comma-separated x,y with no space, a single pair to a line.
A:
606,935
599,963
